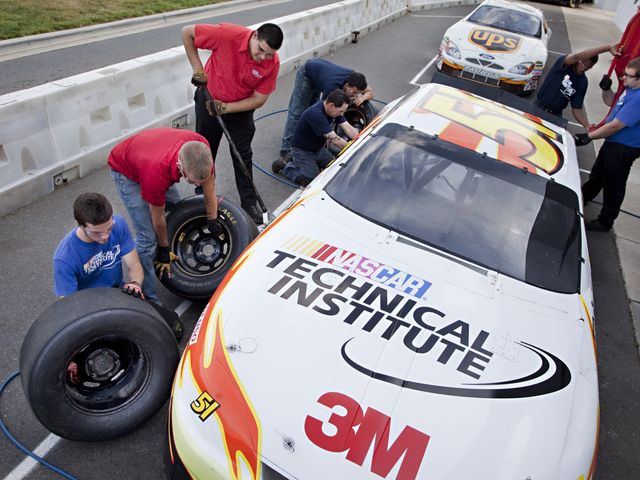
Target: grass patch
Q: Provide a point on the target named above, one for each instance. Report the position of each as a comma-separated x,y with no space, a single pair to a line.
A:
19,18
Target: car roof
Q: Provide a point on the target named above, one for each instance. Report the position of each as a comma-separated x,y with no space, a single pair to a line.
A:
518,138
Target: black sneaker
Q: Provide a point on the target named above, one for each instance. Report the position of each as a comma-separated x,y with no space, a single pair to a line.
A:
178,330
597,226
278,166
254,213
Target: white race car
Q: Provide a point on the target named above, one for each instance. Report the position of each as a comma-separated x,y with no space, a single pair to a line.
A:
422,310
500,43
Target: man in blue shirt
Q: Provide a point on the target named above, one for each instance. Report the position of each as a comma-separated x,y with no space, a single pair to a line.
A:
91,255
617,154
566,82
314,131
315,77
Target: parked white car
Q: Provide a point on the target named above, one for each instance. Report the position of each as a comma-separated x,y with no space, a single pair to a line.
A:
500,43
422,310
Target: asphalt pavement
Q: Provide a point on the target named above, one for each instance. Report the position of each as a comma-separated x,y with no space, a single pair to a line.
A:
391,58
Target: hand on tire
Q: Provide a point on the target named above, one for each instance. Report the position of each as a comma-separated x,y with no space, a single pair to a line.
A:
162,263
215,227
134,289
605,83
582,139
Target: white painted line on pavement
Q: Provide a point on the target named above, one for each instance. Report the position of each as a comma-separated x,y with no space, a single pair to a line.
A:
421,72
28,464
437,16
180,309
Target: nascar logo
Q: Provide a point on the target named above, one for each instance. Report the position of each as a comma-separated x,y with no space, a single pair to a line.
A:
360,265
494,41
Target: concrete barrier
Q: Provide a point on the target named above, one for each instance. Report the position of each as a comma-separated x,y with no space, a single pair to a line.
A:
64,130
418,5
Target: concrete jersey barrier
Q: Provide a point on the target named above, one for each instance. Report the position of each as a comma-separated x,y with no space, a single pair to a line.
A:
64,130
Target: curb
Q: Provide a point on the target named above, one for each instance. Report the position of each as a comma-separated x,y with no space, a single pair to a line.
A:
32,44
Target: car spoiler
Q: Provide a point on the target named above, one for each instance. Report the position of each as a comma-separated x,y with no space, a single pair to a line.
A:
498,95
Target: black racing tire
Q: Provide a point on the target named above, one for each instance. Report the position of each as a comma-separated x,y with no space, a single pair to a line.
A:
204,259
359,117
126,357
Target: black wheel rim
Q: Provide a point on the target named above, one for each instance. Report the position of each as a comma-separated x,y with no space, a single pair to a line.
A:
110,372
356,118
200,252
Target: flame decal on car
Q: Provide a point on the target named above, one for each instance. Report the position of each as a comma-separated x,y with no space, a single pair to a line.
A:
208,363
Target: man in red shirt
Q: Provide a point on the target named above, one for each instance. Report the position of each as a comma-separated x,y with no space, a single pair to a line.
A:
145,168
240,75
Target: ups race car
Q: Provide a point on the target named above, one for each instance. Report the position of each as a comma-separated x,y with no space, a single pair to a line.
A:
500,43
422,310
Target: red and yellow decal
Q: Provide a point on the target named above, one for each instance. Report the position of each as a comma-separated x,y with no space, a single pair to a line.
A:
221,394
522,140
493,41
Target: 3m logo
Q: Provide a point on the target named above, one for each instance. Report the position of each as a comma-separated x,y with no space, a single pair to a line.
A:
356,433
494,41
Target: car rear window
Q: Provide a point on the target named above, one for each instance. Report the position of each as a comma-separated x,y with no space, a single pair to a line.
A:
507,19
506,219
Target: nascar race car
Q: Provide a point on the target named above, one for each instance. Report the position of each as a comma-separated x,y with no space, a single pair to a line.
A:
500,43
423,309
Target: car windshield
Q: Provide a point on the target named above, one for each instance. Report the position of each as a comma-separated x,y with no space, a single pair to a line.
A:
473,206
507,19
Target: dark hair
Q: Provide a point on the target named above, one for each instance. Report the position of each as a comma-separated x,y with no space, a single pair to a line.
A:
92,208
635,64
338,98
357,80
272,34
594,60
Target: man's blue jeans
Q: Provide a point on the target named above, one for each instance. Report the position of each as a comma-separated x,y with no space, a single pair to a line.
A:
140,214
304,94
306,165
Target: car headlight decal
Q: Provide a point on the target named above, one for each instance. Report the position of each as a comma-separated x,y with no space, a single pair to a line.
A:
452,50
524,68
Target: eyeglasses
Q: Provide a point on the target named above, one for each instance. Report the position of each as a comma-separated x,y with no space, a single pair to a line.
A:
99,233
630,76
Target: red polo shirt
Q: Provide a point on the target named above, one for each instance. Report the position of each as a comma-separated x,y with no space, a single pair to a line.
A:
150,159
233,74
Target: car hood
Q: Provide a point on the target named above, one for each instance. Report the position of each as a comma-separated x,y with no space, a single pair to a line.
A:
490,43
353,339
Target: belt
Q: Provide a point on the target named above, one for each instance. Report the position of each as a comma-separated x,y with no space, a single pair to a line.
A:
548,110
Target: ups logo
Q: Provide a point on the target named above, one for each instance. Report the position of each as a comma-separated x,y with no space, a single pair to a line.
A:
493,41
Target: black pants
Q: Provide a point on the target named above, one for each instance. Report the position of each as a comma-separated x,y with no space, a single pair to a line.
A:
241,128
610,173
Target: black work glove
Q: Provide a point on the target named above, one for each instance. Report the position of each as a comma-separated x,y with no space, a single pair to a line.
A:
216,107
199,78
582,139
162,263
215,227
134,289
605,83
